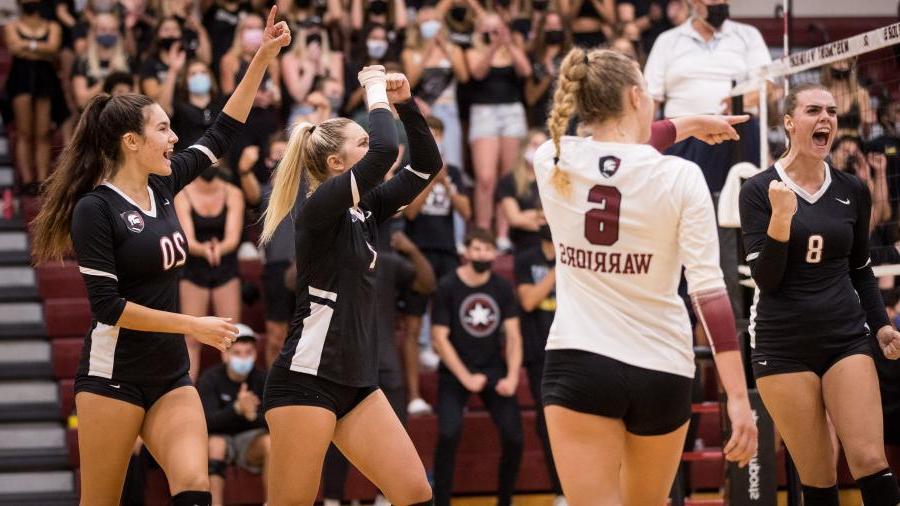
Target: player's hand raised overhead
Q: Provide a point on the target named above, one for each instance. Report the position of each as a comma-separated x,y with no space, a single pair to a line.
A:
276,36
889,340
741,447
398,88
214,331
782,199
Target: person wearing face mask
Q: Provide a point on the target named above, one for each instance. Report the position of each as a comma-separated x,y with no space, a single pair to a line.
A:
391,14
723,48
472,312
552,42
264,118
855,113
517,196
308,63
155,67
33,88
192,101
435,66
211,212
194,39
231,394
104,55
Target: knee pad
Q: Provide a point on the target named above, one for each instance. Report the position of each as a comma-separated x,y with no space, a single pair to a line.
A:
429,502
879,489
821,496
217,467
192,498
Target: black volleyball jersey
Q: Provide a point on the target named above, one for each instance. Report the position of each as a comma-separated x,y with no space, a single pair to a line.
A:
819,285
333,333
129,254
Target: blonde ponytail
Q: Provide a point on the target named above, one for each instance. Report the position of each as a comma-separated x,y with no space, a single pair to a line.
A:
286,181
308,148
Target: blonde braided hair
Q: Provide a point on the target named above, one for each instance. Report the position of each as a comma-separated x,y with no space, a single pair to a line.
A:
591,83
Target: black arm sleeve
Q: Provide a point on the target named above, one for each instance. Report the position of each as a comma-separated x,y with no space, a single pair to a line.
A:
220,418
212,145
861,265
332,199
92,239
425,162
766,256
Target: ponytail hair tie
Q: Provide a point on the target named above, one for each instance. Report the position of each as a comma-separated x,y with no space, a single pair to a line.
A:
555,160
586,61
313,129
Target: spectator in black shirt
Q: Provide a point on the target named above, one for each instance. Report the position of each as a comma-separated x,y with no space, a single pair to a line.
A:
430,225
221,20
473,310
536,286
155,68
105,54
33,90
194,38
552,42
231,393
517,195
193,103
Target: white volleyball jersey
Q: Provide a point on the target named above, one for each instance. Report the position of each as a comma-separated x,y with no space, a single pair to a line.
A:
632,219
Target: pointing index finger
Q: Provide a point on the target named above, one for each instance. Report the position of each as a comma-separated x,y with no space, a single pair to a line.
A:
270,22
736,119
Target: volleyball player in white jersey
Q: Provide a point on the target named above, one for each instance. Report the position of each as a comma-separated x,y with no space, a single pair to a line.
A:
625,220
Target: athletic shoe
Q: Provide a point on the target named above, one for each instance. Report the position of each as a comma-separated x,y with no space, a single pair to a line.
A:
380,500
418,407
560,501
331,502
429,360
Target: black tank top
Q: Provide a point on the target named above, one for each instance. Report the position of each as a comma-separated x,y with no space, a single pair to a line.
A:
500,86
209,227
851,119
433,83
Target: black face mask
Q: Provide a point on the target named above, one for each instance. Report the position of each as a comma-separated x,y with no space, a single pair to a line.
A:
378,7
840,75
165,43
539,5
716,15
458,13
314,38
31,8
481,266
553,37
209,174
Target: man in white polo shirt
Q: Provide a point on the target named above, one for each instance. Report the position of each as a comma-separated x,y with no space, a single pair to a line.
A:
690,70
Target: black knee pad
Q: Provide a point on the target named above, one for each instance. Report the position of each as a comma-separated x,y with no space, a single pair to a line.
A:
879,489
429,502
821,496
217,467
192,498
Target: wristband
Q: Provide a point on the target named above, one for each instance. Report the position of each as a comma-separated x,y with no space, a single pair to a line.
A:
376,93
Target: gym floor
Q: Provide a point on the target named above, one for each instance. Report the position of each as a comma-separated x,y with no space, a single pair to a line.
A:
848,498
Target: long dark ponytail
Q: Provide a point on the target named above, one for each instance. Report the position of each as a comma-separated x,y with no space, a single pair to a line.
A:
90,156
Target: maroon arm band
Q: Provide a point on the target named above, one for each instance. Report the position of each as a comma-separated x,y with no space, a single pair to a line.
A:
713,309
662,135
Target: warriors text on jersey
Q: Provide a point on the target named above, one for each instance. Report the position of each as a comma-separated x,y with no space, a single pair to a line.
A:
333,334
807,288
129,254
631,220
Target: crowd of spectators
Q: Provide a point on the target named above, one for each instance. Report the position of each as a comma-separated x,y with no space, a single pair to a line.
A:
482,71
